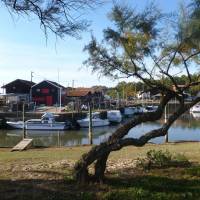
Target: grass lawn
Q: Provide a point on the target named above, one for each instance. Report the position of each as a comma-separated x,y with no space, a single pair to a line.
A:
47,174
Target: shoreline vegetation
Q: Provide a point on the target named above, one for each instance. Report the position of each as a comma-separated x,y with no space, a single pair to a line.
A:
47,173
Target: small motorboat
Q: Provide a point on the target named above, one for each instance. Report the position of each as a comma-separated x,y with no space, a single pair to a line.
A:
96,121
195,109
130,111
114,116
150,109
195,115
47,122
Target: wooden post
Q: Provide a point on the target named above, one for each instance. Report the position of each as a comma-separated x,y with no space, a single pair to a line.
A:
60,99
59,141
23,119
166,136
17,110
90,124
99,102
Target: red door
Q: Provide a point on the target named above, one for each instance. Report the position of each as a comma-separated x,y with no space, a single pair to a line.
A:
49,100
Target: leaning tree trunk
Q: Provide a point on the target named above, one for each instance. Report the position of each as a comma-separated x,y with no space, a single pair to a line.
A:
115,142
100,167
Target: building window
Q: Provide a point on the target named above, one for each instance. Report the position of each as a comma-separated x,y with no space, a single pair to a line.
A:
45,91
38,90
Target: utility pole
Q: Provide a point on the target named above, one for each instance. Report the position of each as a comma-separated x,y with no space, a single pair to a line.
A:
58,75
123,95
31,76
23,118
90,124
60,99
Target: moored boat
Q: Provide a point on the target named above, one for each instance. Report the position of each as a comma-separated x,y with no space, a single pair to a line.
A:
114,116
130,111
195,109
196,115
96,121
47,122
150,108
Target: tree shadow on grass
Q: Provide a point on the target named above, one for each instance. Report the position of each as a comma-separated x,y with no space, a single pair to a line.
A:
131,186
157,184
38,189
37,185
49,188
148,186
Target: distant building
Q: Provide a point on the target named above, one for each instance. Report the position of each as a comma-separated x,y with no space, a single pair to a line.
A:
149,94
48,93
143,95
17,91
18,86
81,96
179,86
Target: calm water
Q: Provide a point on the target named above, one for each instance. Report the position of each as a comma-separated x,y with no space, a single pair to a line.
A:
186,128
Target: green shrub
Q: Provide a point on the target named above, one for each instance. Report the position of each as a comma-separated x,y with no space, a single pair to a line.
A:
141,194
86,196
127,194
194,171
160,159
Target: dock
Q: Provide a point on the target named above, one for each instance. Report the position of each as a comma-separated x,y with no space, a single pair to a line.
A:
22,145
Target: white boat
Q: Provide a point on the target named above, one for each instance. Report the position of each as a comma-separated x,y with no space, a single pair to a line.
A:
47,122
195,115
150,108
96,121
114,116
17,125
130,111
139,110
195,109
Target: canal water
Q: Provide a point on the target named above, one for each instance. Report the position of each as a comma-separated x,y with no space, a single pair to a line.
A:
187,128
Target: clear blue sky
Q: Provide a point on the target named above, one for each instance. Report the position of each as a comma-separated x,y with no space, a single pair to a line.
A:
23,48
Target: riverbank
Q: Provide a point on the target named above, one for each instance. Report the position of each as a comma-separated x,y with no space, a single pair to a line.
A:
46,173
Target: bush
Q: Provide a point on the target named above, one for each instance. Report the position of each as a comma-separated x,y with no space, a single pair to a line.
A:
194,171
160,159
127,194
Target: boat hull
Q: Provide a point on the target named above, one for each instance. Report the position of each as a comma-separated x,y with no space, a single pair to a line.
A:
49,126
114,116
195,109
130,111
95,123
16,125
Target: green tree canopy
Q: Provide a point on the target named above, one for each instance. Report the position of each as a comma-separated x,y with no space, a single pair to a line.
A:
139,47
152,48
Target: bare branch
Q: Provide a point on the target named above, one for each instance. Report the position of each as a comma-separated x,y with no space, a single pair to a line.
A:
186,67
62,17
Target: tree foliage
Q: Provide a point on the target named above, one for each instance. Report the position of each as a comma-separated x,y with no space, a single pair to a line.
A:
153,48
62,17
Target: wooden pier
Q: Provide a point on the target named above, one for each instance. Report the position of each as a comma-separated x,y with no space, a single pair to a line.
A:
23,145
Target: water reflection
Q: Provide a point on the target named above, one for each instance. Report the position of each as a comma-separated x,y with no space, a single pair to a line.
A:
185,128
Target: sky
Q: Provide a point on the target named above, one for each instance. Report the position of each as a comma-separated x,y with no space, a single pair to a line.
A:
23,48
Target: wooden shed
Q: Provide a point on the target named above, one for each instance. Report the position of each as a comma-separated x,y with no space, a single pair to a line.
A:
48,93
18,86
